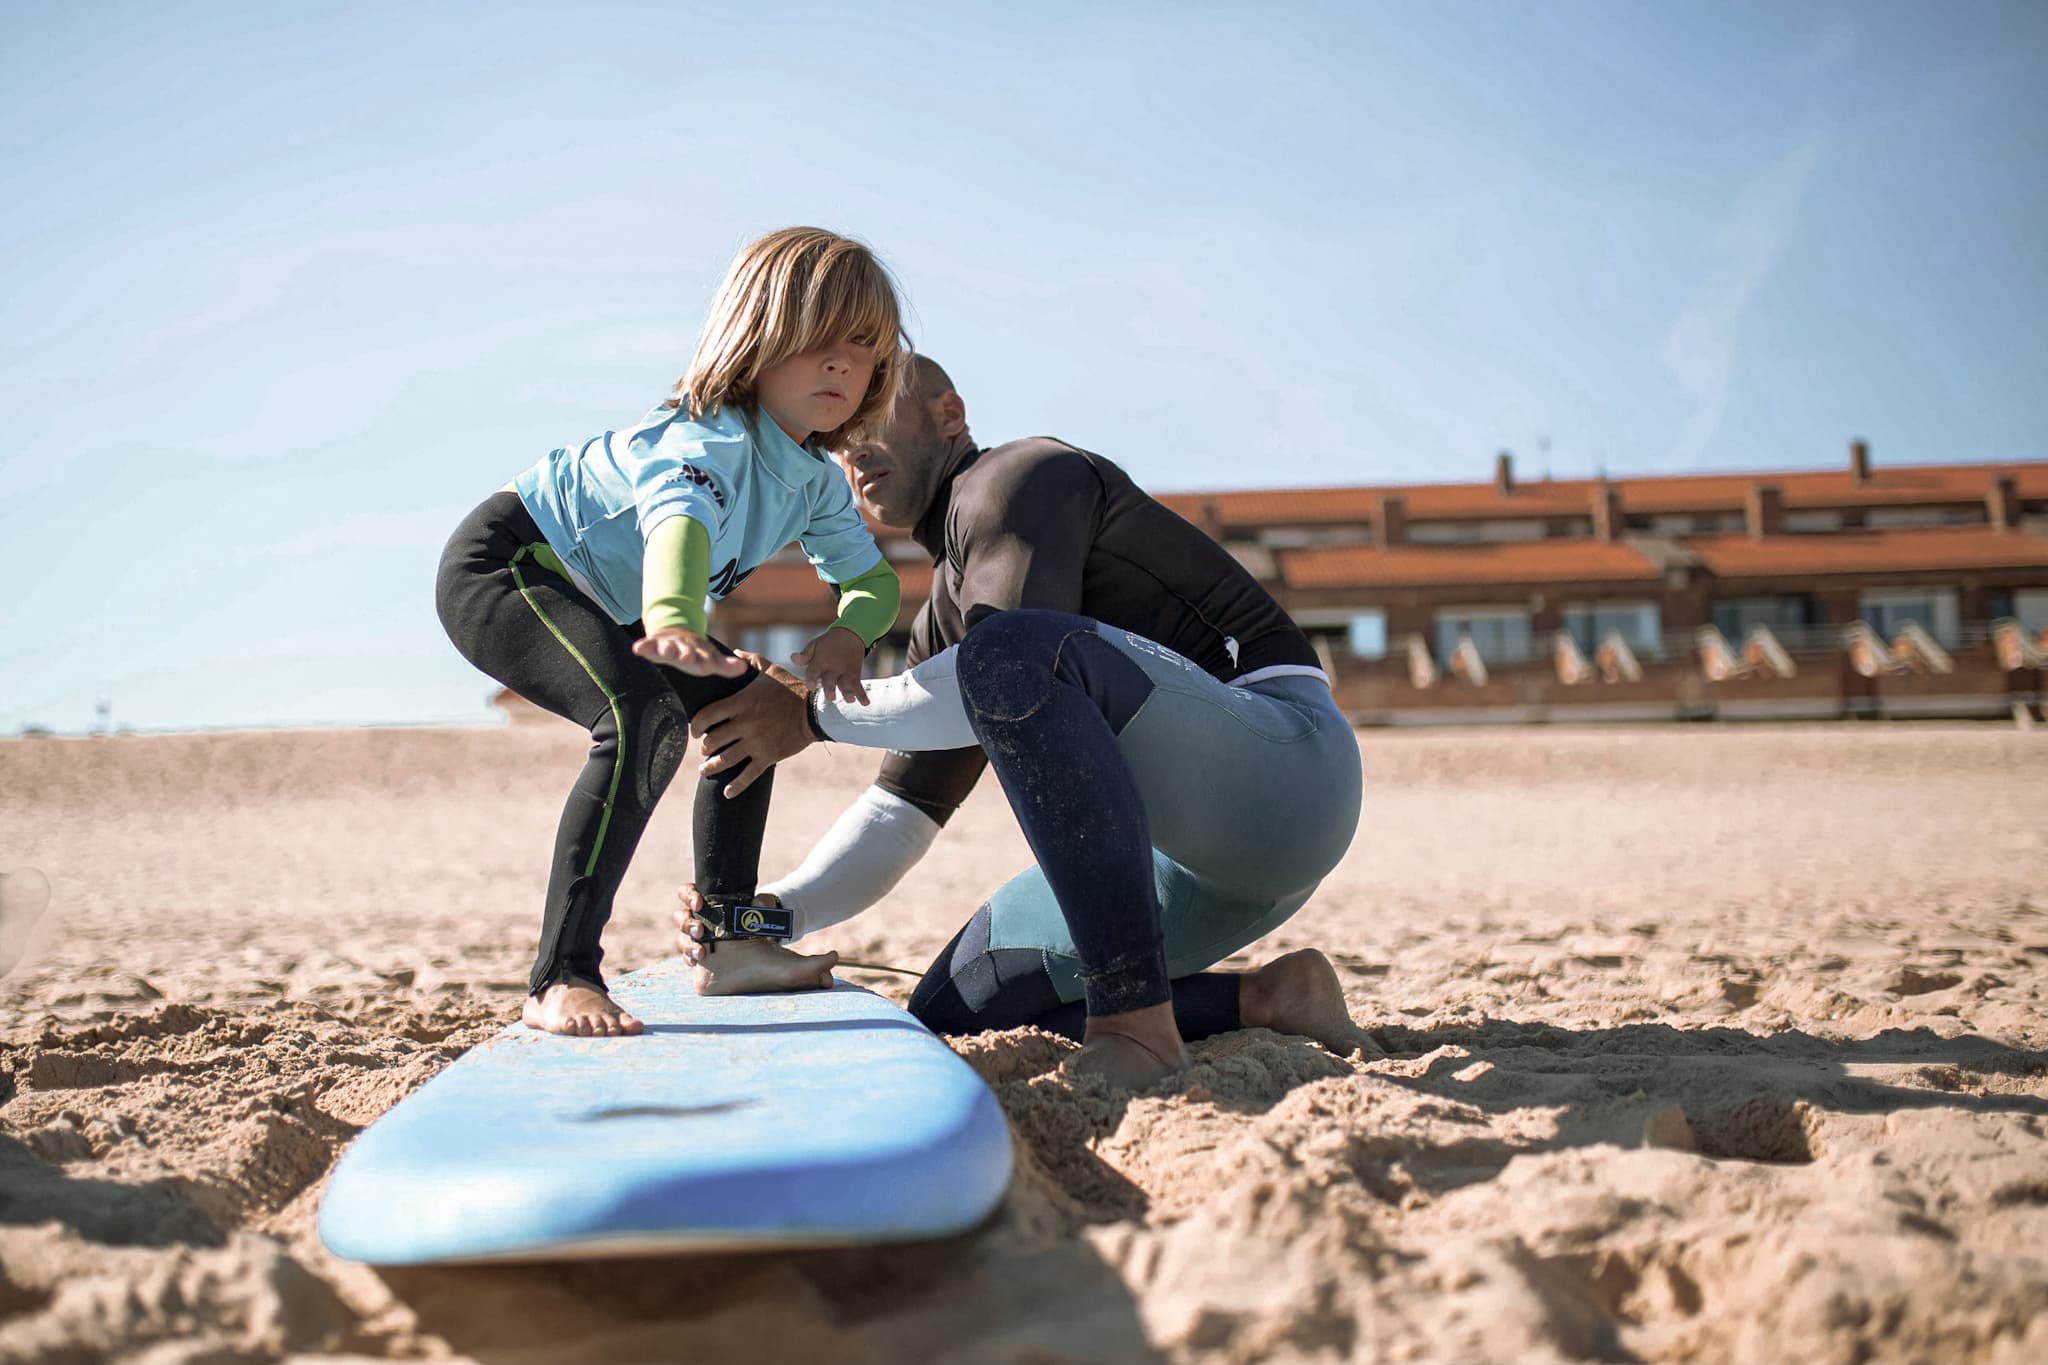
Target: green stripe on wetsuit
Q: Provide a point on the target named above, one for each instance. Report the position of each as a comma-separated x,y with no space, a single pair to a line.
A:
677,573
545,557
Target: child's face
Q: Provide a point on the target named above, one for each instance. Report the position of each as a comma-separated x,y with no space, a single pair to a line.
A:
817,390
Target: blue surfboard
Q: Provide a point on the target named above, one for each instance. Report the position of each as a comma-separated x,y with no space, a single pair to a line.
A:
820,1118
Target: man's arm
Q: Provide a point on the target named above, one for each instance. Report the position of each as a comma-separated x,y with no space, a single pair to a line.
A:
869,848
877,840
1022,540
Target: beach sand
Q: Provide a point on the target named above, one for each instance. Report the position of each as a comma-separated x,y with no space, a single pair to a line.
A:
1707,1044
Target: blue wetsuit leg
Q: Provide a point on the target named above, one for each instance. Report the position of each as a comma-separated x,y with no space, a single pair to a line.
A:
1175,819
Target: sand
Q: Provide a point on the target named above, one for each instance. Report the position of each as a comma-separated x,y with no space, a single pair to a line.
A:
1704,1044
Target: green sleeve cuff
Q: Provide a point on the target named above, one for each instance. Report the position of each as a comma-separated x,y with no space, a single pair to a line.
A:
868,604
675,573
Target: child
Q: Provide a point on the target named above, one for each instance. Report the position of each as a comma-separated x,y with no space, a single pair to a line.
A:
572,583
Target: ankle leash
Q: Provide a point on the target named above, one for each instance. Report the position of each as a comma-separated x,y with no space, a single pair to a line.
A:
731,917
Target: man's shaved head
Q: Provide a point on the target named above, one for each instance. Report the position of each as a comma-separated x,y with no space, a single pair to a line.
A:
896,473
926,380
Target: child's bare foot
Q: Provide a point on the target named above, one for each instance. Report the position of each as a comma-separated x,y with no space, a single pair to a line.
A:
758,966
1299,993
578,1008
1130,1051
747,966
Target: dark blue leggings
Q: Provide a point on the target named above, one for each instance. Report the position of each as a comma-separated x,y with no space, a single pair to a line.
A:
1174,818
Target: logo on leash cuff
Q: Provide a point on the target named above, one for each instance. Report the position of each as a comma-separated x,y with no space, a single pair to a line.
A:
762,921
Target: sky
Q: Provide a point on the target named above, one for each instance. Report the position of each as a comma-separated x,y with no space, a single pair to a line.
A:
289,289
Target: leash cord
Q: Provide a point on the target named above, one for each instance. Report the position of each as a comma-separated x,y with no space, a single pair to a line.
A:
878,967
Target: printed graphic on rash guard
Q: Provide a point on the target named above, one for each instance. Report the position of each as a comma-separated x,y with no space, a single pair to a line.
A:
728,578
689,473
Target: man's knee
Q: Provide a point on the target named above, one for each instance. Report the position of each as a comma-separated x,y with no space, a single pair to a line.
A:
1006,662
1011,661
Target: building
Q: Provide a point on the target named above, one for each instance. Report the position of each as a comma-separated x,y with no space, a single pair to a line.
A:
1799,594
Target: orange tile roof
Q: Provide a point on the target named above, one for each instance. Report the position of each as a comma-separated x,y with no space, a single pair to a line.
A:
776,585
1537,561
1573,497
1916,550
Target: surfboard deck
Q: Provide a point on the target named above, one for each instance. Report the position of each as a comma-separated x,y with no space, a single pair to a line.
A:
818,1118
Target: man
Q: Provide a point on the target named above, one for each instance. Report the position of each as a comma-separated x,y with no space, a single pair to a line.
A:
1163,731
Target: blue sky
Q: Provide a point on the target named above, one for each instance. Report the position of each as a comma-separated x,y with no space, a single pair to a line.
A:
290,288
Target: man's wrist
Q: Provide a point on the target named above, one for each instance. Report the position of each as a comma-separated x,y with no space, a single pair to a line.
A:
812,700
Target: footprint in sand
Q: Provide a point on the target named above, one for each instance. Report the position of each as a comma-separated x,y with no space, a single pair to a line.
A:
24,896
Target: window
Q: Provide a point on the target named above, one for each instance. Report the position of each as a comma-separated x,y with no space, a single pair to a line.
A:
1799,523
1359,631
1303,537
2030,605
1735,617
1878,518
1494,531
1693,523
1640,623
1501,633
1443,533
1368,637
1887,611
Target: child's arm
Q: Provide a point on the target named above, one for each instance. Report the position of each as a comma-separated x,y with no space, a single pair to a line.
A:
867,608
675,573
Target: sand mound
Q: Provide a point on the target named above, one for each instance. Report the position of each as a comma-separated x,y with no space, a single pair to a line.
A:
1724,1045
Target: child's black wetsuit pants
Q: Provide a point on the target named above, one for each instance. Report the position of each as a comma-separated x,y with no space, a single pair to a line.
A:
521,621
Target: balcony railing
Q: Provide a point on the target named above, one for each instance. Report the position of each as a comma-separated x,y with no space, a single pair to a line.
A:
1672,647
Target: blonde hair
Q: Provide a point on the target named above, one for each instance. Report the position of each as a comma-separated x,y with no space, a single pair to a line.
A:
787,293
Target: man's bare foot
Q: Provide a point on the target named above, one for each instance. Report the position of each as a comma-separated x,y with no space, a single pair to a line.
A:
1132,1050
1299,993
578,1008
758,966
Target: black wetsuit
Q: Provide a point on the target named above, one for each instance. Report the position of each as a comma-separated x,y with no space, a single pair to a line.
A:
1044,525
523,623
1099,735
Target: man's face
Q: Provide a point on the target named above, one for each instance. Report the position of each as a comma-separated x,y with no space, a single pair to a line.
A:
895,476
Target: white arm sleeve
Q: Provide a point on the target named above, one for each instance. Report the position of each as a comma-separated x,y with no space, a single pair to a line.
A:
860,859
912,711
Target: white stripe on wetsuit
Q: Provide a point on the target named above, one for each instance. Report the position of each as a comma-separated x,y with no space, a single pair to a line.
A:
923,709
912,712
858,861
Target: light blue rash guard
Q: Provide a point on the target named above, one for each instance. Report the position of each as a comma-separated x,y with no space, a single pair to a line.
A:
745,482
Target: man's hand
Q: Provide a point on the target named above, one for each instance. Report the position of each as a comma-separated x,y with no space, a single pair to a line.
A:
759,725
832,662
689,652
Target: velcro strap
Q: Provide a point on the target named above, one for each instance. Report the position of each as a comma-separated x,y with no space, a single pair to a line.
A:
730,921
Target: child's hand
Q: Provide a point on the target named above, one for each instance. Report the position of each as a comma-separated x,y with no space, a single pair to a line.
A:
832,663
689,652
